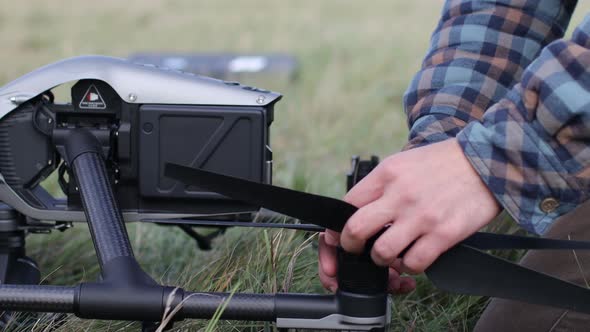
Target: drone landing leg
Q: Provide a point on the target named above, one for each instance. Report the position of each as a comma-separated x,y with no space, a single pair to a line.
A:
15,266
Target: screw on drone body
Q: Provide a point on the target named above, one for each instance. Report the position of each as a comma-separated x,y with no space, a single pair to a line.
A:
17,100
49,162
260,99
49,120
132,97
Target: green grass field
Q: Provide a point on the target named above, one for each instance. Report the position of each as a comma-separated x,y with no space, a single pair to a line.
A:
356,58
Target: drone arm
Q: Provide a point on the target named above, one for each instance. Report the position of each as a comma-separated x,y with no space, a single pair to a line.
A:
287,310
37,298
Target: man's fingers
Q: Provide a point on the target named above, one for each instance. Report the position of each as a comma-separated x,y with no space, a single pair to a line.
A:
327,257
366,222
328,282
423,253
401,285
407,285
369,189
396,265
398,284
327,264
395,239
332,238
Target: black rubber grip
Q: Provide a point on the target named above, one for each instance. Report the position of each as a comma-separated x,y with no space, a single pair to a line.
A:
257,307
104,219
357,273
37,298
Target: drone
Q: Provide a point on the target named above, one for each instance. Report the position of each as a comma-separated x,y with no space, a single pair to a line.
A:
140,143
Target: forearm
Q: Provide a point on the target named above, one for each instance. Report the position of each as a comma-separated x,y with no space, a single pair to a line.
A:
477,53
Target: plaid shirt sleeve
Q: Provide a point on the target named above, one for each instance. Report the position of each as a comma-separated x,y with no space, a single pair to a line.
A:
477,53
525,144
533,147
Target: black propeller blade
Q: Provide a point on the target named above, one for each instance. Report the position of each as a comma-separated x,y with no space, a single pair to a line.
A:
462,269
465,270
491,241
329,212
320,210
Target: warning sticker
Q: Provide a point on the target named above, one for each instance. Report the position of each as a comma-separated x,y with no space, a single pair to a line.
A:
92,99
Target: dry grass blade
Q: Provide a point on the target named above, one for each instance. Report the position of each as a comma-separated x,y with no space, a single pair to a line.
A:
579,264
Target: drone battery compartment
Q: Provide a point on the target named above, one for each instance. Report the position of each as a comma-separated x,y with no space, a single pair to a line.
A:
229,140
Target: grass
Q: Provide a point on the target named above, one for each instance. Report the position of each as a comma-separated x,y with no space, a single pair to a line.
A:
356,59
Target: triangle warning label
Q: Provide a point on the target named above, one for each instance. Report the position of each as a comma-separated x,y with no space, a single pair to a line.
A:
92,99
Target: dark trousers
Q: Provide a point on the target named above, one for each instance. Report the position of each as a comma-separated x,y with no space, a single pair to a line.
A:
574,266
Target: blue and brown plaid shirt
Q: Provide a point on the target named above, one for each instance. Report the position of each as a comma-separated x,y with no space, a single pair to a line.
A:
499,77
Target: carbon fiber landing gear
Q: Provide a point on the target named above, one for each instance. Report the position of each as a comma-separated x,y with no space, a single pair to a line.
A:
15,266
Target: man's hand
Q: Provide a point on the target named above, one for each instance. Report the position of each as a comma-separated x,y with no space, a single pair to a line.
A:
430,196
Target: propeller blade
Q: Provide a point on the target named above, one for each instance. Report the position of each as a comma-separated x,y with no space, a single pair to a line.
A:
225,223
466,270
324,211
329,212
491,241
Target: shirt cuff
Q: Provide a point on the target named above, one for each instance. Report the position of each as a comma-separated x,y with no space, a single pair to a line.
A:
520,169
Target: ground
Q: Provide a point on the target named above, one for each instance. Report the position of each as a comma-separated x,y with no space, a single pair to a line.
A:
356,59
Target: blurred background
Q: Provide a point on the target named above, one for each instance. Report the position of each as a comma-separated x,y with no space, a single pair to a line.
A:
354,60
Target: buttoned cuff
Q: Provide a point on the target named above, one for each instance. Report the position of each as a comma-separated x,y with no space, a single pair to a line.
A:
520,170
